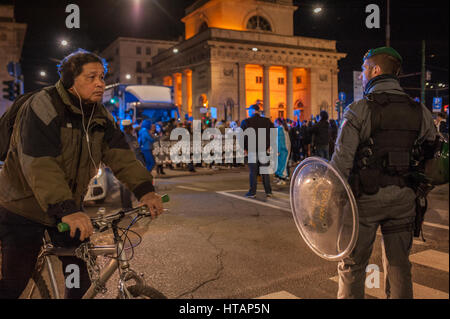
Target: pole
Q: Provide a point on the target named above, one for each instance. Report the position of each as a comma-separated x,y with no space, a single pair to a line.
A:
388,27
422,78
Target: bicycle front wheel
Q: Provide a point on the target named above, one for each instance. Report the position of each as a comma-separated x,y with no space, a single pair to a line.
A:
39,288
145,292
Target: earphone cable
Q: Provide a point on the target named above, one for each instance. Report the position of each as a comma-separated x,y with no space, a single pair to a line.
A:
87,129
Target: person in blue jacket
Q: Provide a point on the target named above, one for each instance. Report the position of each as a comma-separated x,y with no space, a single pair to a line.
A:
146,143
284,148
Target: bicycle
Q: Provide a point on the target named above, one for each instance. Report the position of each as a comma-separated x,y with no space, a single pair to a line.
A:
89,252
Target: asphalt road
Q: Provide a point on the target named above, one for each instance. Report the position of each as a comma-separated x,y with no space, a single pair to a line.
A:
214,243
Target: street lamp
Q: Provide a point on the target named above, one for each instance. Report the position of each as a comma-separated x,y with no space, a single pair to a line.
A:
64,43
317,10
128,76
43,74
175,50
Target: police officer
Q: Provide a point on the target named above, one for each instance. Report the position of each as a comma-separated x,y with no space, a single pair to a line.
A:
373,148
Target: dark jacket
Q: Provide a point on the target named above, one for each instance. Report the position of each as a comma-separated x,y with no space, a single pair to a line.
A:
256,122
321,132
294,135
48,167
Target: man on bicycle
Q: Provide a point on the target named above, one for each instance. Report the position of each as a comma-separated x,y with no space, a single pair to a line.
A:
61,135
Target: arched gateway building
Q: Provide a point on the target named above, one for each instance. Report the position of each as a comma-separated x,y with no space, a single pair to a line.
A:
238,51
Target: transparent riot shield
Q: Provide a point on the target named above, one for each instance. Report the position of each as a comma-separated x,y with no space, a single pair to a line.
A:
324,209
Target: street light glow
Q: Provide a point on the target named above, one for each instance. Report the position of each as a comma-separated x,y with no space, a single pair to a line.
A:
43,74
128,76
64,43
175,50
317,10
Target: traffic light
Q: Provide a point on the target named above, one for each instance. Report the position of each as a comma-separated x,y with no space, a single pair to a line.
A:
9,90
16,90
338,106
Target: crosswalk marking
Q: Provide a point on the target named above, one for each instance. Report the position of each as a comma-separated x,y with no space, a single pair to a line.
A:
431,258
278,295
436,225
254,201
419,291
193,188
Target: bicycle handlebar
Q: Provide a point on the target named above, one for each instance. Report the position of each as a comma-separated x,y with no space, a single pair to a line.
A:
143,210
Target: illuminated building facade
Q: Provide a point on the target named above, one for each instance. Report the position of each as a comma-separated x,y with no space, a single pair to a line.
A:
238,51
130,59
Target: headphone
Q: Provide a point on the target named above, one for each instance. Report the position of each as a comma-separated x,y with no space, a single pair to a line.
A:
86,128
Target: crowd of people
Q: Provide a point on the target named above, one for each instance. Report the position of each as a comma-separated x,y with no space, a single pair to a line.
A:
297,140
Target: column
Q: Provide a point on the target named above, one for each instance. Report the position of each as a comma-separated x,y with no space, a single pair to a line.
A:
184,95
175,89
314,77
289,93
266,90
334,91
241,92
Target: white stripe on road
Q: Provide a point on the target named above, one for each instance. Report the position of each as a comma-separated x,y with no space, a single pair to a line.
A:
254,201
435,225
419,291
283,195
287,202
193,188
431,258
279,295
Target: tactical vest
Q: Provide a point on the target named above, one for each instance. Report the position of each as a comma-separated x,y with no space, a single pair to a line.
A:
385,159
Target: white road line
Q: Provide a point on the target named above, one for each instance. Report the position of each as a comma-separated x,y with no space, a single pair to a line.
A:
284,195
193,188
419,291
278,200
254,201
436,225
431,258
279,295
415,241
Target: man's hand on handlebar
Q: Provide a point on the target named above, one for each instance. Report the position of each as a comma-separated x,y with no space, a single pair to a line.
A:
81,221
154,203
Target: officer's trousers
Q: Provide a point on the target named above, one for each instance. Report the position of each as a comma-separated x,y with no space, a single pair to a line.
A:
390,208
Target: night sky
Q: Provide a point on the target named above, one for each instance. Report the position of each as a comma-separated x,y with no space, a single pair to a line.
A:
104,20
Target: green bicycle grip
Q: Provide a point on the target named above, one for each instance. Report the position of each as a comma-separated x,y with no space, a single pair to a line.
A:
63,227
